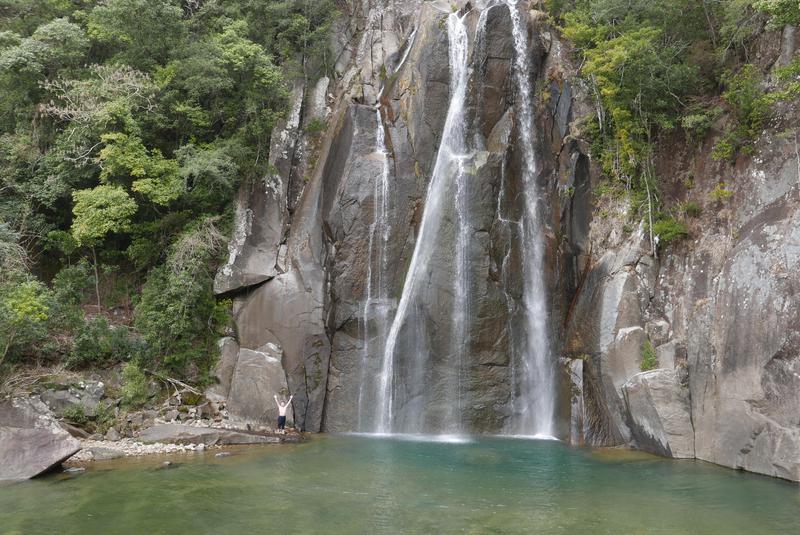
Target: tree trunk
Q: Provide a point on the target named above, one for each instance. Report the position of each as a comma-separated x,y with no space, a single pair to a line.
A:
96,278
650,210
8,346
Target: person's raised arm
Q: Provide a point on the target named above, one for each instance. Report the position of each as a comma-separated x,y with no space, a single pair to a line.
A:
278,403
290,399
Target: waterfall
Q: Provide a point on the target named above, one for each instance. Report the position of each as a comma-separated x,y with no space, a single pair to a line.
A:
449,168
536,400
412,384
377,304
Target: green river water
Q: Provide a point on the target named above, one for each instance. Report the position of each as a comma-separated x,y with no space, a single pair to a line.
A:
354,484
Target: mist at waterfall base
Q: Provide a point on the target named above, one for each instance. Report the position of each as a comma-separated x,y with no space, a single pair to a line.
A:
344,485
394,397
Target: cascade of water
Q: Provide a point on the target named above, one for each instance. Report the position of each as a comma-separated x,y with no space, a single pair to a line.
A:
461,314
409,46
449,166
377,304
537,378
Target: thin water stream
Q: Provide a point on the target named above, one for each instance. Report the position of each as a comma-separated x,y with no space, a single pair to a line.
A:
377,304
537,378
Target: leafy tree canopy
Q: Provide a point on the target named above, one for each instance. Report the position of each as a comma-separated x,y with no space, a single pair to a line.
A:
125,128
99,211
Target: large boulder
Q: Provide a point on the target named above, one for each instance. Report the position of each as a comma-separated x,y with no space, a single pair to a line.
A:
660,412
60,400
258,377
185,434
31,441
223,371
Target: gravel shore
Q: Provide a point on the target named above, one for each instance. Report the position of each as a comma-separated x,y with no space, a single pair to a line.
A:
100,450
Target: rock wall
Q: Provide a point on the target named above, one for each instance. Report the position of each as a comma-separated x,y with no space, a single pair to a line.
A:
297,269
720,309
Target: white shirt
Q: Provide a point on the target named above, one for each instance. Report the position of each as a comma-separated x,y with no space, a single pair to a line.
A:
282,407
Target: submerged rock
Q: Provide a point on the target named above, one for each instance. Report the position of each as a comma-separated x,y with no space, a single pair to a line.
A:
31,440
105,454
74,470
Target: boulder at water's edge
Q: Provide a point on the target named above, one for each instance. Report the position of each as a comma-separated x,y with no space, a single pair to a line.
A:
31,441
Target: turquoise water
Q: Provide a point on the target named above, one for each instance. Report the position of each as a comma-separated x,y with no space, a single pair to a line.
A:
351,484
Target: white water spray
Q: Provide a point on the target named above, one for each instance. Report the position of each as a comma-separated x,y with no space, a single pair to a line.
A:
536,401
377,304
449,166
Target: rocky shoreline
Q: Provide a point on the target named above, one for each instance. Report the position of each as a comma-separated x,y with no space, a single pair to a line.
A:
73,420
105,450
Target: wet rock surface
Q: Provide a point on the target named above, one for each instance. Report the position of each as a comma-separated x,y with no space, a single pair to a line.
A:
719,310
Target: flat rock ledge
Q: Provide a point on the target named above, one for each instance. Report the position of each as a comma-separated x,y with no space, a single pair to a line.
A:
176,438
210,436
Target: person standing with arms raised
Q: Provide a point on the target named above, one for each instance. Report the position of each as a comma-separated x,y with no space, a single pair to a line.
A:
282,412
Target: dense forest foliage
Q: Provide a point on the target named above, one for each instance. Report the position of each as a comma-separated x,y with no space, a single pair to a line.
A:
125,128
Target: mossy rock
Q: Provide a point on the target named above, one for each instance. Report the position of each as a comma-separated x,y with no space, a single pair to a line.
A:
190,398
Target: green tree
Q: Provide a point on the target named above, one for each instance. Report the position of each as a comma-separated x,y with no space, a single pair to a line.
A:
99,211
224,85
125,158
209,172
24,16
640,81
139,33
54,45
782,12
122,124
24,310
177,314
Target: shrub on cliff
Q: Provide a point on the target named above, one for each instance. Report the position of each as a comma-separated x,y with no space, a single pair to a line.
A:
649,358
669,229
749,105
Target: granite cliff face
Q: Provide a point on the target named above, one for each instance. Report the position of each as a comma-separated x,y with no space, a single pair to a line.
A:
721,309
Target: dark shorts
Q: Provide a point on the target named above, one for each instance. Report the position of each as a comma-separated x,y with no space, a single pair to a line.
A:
281,422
